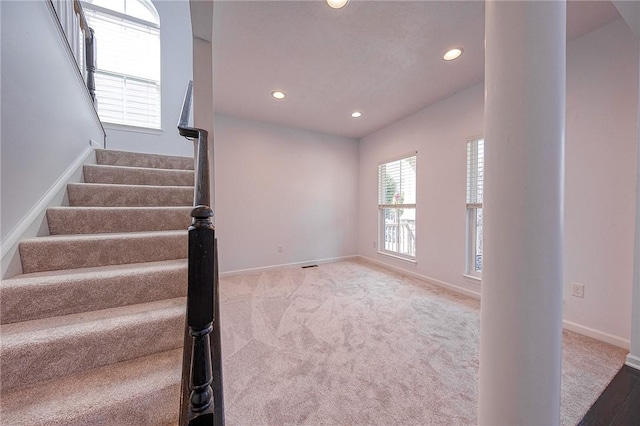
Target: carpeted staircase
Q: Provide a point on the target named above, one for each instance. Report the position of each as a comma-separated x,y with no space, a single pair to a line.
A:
92,330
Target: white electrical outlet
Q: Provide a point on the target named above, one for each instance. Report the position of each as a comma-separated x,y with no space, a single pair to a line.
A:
577,290
279,248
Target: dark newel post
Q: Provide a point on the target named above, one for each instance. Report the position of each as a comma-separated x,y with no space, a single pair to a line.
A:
90,56
200,312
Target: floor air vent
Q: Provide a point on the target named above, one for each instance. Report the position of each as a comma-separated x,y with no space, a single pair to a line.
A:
309,266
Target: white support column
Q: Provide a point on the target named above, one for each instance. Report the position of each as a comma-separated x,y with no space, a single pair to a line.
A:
633,359
521,312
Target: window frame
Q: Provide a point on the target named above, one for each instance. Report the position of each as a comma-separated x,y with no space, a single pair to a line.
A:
472,206
128,125
382,207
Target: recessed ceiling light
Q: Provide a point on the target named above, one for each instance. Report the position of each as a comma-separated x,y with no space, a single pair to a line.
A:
452,54
356,114
337,4
278,94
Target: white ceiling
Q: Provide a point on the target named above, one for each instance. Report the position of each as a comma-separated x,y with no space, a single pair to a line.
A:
383,58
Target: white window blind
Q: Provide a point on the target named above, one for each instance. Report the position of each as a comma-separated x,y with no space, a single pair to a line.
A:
475,171
128,68
397,207
475,187
397,182
142,9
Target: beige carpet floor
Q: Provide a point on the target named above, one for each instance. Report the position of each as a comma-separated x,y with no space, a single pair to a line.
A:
350,343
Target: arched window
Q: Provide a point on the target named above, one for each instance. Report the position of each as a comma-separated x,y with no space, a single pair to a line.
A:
128,61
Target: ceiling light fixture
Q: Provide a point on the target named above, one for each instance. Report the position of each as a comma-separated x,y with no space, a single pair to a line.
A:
278,94
452,54
356,114
337,4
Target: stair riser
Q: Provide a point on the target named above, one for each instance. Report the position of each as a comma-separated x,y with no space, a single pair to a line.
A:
57,356
133,159
144,391
69,296
137,176
162,409
46,254
65,221
96,195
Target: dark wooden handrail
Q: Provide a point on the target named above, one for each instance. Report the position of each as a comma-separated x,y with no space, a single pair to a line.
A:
200,136
77,7
89,49
90,56
89,39
202,401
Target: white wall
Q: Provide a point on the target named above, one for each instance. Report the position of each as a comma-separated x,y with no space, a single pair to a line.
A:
203,98
602,90
203,84
633,358
602,71
176,71
630,11
47,116
281,186
439,134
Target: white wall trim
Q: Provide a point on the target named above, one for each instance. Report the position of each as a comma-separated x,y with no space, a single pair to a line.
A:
133,129
286,265
400,258
74,64
571,326
633,361
455,288
95,145
472,278
596,334
23,229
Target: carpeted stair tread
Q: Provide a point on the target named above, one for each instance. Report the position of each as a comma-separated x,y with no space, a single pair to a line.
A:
97,220
141,392
53,293
57,252
138,159
92,330
114,195
43,349
96,173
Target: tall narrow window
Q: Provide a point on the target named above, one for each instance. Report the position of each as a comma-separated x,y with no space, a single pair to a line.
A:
128,61
475,178
397,207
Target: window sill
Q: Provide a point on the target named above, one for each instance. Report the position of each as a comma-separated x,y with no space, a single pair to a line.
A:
394,256
134,129
472,278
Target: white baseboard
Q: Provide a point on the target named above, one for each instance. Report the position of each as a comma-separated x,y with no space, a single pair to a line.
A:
96,145
439,283
633,361
577,328
33,224
596,334
286,265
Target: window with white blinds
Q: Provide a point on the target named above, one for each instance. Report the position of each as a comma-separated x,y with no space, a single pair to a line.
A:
475,171
397,207
475,182
128,61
